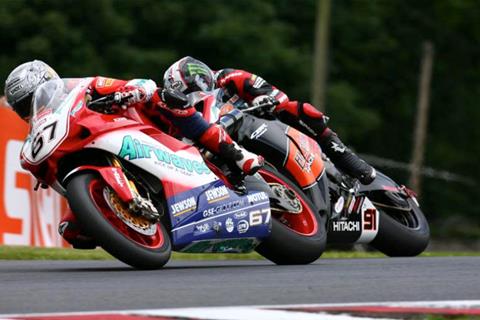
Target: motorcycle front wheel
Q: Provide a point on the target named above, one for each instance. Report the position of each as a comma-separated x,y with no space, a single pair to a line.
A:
130,238
401,233
298,238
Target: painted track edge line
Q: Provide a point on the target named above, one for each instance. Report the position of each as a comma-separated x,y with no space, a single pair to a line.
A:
436,304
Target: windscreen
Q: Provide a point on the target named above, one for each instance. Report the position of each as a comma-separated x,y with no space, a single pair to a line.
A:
52,96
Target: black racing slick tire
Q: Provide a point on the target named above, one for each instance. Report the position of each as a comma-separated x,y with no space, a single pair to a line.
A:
402,234
295,238
88,201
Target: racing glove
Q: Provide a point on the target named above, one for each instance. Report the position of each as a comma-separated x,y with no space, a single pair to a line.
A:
265,102
129,95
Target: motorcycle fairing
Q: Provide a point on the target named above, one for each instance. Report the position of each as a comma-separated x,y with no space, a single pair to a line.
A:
211,105
358,222
214,212
242,245
381,182
179,170
386,191
304,158
284,147
49,128
271,139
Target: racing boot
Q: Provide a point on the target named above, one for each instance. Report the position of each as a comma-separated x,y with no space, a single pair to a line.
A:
344,159
217,140
312,122
70,230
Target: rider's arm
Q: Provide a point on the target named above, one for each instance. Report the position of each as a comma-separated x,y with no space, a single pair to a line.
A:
104,86
248,86
142,90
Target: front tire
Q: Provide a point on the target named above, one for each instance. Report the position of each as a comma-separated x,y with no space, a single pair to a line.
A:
86,197
402,234
295,238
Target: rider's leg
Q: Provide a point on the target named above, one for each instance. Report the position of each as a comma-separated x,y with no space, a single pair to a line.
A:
314,123
217,140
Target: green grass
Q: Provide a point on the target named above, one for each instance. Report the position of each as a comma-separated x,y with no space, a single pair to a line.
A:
28,253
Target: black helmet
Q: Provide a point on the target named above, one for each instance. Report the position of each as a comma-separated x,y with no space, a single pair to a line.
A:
22,83
189,75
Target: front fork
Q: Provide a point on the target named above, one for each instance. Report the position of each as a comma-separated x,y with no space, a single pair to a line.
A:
136,202
126,189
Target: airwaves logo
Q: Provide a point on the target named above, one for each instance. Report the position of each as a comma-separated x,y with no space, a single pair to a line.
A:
133,149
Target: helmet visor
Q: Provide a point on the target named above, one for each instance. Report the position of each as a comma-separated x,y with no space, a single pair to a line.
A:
199,77
23,107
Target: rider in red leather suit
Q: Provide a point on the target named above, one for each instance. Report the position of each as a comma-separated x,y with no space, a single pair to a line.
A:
189,75
164,105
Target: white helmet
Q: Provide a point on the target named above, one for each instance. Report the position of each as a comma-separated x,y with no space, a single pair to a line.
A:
22,83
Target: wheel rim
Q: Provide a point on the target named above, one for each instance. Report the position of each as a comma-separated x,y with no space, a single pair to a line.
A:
304,222
152,240
406,218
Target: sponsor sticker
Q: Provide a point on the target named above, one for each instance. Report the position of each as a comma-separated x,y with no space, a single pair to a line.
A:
259,131
217,194
184,206
256,197
217,226
222,208
348,226
118,177
108,82
229,225
242,226
203,228
339,205
100,82
133,149
304,163
240,215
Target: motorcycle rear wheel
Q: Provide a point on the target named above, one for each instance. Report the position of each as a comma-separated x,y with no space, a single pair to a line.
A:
295,238
87,196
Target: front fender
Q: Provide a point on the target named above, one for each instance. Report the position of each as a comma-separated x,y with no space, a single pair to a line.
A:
384,190
113,176
381,182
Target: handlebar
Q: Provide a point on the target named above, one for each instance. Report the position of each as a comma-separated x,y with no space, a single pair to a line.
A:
114,98
231,120
103,101
262,106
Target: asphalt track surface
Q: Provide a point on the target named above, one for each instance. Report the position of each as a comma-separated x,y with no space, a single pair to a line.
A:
64,286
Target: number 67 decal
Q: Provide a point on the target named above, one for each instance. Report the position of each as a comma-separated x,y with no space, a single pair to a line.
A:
37,143
256,217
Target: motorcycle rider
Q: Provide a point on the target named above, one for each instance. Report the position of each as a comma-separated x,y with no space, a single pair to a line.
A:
167,104
189,74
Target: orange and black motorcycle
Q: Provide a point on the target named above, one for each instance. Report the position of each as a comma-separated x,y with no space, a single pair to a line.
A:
328,203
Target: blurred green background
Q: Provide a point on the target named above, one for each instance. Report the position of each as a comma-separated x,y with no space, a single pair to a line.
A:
375,50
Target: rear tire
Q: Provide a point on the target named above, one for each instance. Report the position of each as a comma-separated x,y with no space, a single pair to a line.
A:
286,245
402,239
118,239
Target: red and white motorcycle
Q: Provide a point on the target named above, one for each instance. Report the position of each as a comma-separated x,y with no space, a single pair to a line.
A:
140,193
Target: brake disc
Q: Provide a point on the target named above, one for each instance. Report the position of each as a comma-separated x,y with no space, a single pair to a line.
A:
136,222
